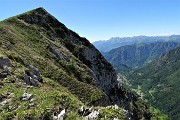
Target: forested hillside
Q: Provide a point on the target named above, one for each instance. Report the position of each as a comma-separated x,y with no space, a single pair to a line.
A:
129,57
160,81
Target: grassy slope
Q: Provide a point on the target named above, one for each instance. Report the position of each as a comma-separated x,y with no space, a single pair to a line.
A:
32,48
29,43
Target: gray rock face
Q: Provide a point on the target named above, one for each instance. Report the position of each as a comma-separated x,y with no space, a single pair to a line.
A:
104,75
26,96
37,18
59,55
4,102
4,64
106,78
32,76
89,113
5,98
42,18
60,116
93,115
56,52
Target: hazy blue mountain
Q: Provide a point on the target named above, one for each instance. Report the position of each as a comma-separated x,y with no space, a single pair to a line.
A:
115,42
137,55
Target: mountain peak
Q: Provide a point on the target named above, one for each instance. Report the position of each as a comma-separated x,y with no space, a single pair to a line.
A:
40,10
38,16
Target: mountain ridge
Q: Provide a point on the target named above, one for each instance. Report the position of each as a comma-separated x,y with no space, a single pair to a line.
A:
53,68
115,42
42,18
138,55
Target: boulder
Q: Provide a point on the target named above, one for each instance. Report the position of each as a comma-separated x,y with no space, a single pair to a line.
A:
4,64
5,102
93,115
32,76
81,111
89,113
6,98
60,116
26,96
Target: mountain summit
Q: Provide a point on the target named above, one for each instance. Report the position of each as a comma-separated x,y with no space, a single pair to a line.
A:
47,70
38,16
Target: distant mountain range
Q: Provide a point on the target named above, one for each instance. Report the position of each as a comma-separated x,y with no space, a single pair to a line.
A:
160,82
115,42
137,55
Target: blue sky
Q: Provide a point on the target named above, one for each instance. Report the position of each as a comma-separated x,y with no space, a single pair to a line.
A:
103,19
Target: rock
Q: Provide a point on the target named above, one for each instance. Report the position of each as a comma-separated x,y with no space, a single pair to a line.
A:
81,111
36,17
26,96
84,112
115,119
113,107
93,115
116,107
7,95
10,95
3,75
108,107
32,99
91,109
104,75
60,116
32,76
34,73
58,54
88,113
55,117
5,102
4,64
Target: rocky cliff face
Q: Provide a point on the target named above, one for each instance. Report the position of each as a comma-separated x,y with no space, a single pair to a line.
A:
105,75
